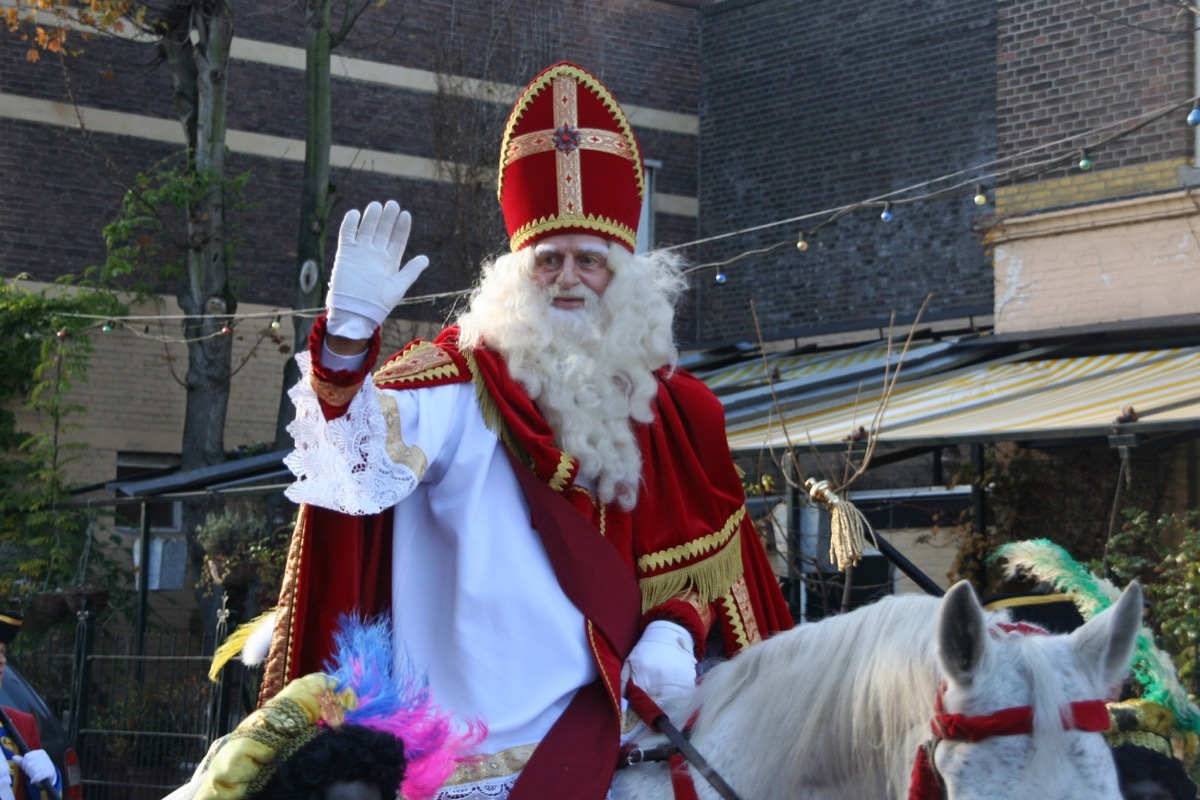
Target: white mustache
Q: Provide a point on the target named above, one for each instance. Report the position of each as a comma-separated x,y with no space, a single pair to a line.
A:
589,298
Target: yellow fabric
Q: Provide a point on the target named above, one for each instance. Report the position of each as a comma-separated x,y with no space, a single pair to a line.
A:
247,758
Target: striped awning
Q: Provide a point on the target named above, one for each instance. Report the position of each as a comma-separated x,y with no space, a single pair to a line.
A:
1013,398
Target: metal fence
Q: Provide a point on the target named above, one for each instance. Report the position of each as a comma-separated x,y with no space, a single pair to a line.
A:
140,714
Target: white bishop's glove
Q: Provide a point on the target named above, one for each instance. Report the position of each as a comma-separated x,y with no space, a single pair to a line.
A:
662,663
37,766
367,281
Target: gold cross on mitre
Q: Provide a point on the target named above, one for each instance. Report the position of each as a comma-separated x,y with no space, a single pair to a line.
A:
566,140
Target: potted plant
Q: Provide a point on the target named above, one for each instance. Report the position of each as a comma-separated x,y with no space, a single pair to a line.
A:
240,546
226,537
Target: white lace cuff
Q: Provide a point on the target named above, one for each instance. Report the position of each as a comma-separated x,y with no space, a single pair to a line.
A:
342,464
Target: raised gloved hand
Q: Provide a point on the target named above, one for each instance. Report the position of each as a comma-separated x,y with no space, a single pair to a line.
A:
37,766
367,281
662,663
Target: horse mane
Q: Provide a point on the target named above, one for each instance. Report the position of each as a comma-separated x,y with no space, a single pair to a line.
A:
850,697
830,700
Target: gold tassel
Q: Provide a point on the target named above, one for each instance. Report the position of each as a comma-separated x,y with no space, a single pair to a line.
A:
848,527
233,644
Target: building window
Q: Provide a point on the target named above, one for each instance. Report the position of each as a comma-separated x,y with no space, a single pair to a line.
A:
645,232
165,516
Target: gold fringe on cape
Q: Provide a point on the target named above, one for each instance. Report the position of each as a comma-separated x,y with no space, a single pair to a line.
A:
711,578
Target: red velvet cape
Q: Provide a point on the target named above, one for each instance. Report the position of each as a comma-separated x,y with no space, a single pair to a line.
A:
690,532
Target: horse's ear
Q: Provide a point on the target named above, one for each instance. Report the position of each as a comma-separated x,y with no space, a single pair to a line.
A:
961,634
1107,639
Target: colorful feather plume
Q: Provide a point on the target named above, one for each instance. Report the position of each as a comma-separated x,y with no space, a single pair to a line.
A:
398,701
1152,668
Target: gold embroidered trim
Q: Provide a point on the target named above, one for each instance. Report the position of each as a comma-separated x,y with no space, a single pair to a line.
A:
703,610
613,688
590,81
400,453
591,222
279,662
686,552
709,579
597,139
283,726
491,413
420,361
489,767
562,473
735,620
333,394
741,595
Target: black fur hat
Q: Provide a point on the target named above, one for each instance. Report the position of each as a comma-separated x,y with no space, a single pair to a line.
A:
10,625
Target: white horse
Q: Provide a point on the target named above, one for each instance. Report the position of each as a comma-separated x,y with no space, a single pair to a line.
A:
840,708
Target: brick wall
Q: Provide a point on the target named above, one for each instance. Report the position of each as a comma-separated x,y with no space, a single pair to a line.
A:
1067,67
811,106
60,189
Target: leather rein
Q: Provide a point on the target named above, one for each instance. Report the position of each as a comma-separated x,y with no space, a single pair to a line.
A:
678,753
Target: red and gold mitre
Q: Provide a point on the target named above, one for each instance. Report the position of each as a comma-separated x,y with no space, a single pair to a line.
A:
569,162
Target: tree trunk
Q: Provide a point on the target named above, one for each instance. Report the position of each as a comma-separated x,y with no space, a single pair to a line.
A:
198,51
314,197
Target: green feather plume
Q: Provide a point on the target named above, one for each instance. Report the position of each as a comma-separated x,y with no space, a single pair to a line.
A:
1152,668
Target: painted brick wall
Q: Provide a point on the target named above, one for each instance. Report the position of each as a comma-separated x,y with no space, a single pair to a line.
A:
808,106
1117,262
134,398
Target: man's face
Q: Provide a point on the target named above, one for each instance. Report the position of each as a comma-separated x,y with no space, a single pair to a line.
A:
565,262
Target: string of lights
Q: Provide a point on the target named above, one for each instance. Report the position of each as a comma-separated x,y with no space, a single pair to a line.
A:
978,179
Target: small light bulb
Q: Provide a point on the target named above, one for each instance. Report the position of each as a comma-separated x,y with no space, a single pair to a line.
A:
275,324
886,216
980,198
107,327
1193,117
1085,163
802,244
226,330
720,277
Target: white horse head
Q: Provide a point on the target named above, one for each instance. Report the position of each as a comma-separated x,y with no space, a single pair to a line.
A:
987,669
840,708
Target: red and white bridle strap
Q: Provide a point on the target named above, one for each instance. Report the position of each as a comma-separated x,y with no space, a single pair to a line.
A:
1085,715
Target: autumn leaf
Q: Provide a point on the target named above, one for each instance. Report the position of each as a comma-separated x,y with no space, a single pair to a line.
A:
33,55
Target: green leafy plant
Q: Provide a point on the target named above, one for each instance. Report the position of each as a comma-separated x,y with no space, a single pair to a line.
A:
146,237
1162,551
45,541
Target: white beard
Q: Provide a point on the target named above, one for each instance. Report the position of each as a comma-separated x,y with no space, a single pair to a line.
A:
590,371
